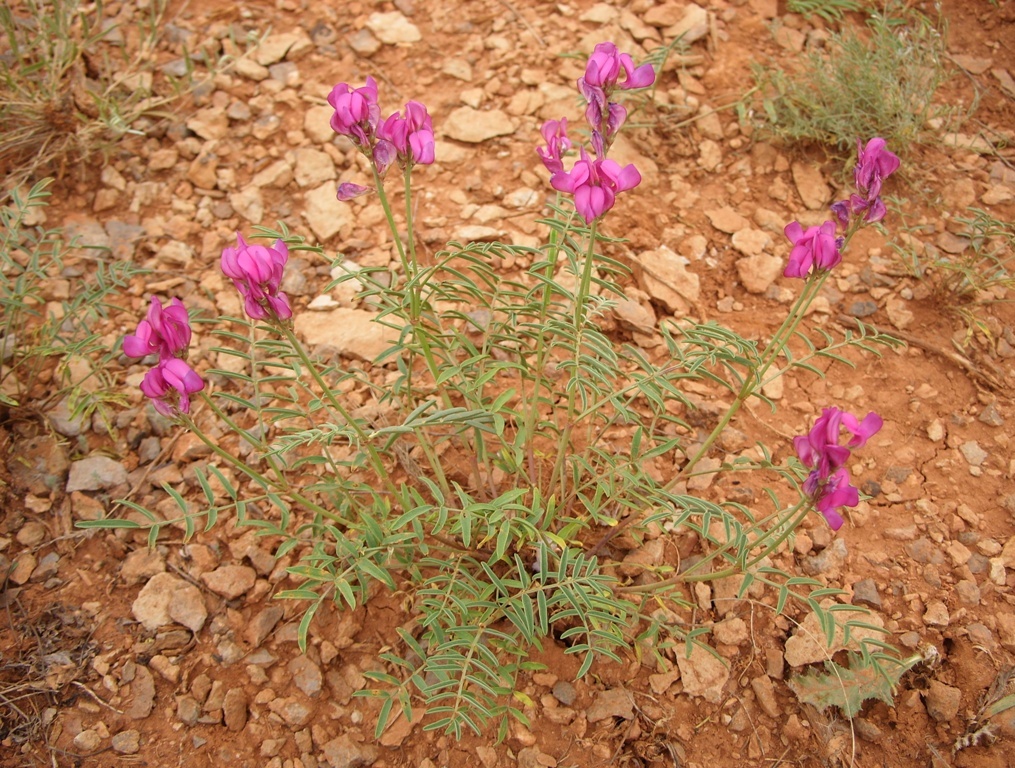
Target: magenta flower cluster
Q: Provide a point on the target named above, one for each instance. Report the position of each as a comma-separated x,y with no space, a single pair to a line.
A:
166,332
602,75
407,139
818,248
256,271
828,484
874,164
595,183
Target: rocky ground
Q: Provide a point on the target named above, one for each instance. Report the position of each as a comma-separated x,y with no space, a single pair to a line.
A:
111,653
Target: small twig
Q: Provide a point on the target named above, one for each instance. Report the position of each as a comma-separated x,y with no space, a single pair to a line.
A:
87,690
524,21
963,362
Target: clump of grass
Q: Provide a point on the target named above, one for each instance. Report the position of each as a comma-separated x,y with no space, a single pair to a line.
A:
50,350
878,81
982,272
71,82
966,282
829,10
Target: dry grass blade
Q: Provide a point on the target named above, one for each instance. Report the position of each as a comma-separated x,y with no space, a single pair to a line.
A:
41,656
69,84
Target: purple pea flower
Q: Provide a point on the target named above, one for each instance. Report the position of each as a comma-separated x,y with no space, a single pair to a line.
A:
843,210
874,210
347,190
817,248
820,447
256,271
170,385
828,483
165,331
411,136
874,164
836,492
357,113
595,184
604,66
602,71
383,155
557,143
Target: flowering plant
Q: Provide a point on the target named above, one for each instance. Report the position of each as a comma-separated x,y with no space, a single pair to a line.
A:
482,467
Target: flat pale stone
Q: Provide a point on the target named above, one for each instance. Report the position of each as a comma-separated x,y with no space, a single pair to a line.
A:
249,204
615,702
317,124
151,607
898,313
458,68
186,607
393,28
811,186
665,278
692,26
477,233
283,45
313,167
211,123
474,126
972,64
758,272
350,332
325,213
702,674
95,473
230,581
751,242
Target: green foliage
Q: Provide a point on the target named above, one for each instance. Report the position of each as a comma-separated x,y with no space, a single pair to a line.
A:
849,687
875,82
46,338
965,282
513,436
981,273
829,10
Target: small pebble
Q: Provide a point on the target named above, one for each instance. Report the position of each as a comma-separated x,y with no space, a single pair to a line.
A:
991,416
865,592
87,741
564,692
942,701
936,614
127,742
973,453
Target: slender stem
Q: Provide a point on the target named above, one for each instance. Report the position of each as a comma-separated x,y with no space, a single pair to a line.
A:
753,379
585,286
410,267
409,227
258,477
375,458
788,328
532,412
379,183
246,435
580,315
